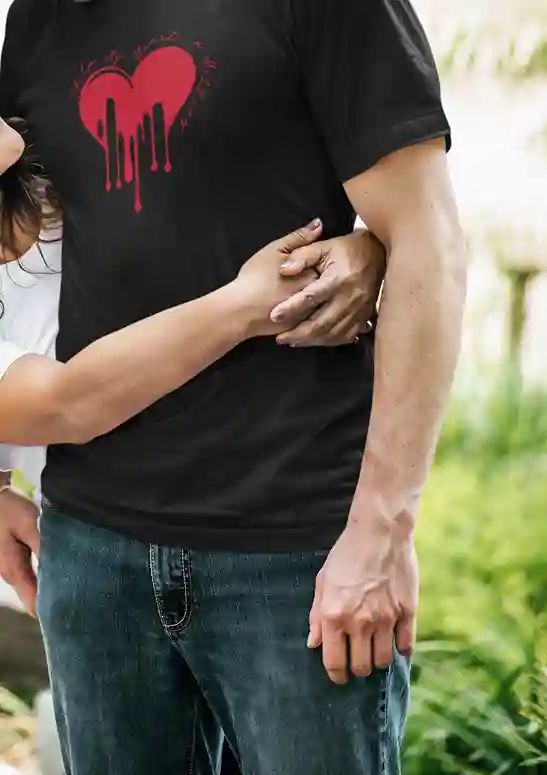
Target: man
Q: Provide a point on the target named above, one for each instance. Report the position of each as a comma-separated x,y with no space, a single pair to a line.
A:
179,553
30,296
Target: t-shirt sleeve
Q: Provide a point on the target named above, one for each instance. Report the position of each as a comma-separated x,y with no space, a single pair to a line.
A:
369,77
9,77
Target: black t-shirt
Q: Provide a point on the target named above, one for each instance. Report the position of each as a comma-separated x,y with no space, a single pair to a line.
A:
181,137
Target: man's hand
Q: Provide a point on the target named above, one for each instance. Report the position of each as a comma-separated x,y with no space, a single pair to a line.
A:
366,598
19,540
338,305
366,593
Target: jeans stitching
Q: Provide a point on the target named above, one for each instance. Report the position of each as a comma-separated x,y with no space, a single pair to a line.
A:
182,621
187,581
156,584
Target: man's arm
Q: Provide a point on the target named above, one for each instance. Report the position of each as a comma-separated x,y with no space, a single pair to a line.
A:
46,402
367,590
407,200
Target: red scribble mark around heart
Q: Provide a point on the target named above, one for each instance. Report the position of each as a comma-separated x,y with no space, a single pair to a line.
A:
165,77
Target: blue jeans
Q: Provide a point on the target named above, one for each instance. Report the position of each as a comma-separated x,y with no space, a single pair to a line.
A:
156,652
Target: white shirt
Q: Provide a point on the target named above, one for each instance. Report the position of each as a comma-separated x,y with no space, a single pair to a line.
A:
29,324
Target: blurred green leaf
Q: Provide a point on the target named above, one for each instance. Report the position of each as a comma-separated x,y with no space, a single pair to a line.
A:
11,705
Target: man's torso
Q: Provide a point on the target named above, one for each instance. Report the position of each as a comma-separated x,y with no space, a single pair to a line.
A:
179,141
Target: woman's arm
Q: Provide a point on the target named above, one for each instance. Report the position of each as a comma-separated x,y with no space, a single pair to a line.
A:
46,402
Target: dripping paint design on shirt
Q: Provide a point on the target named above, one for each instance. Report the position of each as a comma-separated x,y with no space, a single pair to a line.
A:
128,113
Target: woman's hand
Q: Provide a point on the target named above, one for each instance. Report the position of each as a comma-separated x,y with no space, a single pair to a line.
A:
24,195
260,284
19,540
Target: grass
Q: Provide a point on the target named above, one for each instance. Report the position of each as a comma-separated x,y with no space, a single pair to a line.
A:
480,696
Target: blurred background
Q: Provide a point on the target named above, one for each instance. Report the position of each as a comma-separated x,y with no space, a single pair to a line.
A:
480,680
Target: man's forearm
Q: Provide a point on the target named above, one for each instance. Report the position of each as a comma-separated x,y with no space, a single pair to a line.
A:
113,379
417,346
408,202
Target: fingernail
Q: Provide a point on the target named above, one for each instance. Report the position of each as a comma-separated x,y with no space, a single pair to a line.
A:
276,317
309,641
314,225
288,264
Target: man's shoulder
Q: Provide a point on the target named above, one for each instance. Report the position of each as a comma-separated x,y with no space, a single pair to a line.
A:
26,21
30,11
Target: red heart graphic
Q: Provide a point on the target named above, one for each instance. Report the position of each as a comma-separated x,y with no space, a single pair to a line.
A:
165,77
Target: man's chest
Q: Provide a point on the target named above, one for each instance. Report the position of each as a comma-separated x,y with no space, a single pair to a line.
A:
124,91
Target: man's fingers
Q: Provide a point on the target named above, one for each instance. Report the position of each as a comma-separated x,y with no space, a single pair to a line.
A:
321,290
324,328
360,645
345,332
335,653
383,647
295,309
315,636
301,304
405,635
331,324
298,239
314,328
307,257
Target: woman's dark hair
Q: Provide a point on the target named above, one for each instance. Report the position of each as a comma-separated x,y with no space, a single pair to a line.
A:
27,200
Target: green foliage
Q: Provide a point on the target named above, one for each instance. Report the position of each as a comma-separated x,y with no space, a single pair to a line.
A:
497,424
21,484
480,696
495,51
10,705
472,717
